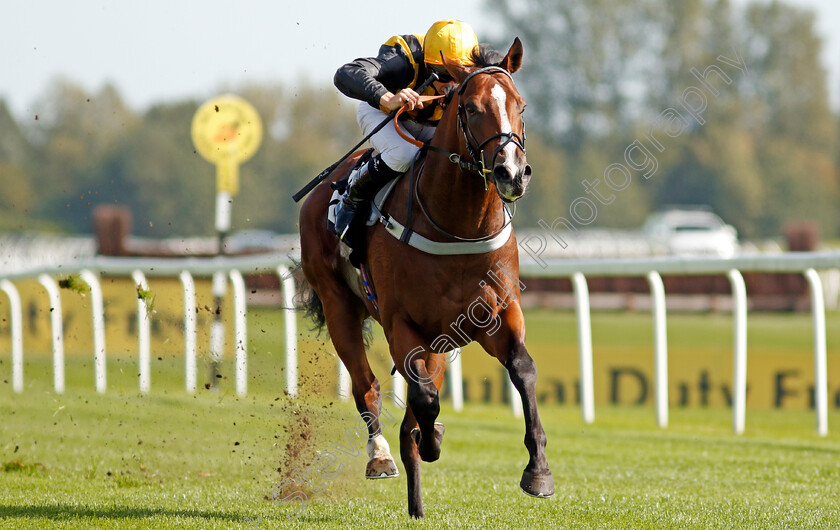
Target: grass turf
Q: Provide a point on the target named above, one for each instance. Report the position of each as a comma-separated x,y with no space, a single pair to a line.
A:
167,459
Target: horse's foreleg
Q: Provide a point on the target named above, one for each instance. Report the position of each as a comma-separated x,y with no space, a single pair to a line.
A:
411,463
424,373
536,479
420,436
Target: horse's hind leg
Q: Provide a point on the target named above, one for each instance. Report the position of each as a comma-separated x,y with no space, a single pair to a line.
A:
344,321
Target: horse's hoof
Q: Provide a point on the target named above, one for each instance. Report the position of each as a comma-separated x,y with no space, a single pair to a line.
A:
382,467
439,430
415,509
429,451
537,485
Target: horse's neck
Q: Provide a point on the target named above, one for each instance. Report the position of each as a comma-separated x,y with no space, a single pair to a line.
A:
457,200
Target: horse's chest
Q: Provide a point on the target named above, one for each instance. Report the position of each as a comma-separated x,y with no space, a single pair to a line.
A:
455,310
460,296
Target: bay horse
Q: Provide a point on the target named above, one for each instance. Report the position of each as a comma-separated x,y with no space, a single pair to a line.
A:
429,304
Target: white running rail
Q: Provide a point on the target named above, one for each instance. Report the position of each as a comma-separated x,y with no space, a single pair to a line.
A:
805,263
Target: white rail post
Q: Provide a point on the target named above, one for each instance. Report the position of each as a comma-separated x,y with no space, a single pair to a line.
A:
660,346
98,314
398,384
17,333
343,382
831,287
57,332
739,374
456,381
190,340
290,322
217,327
143,332
587,392
240,331
820,367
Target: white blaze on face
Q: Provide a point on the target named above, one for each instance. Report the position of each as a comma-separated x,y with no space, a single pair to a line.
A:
500,96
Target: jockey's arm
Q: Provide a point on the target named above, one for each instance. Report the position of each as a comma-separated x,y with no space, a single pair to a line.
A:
379,80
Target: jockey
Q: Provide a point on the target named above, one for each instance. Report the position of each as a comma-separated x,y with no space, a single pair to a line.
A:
385,83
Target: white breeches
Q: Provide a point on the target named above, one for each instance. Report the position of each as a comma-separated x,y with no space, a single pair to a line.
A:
396,152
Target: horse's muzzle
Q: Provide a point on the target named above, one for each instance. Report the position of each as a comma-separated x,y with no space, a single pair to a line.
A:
509,185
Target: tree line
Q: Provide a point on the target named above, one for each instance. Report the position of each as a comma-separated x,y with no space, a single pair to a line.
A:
599,75
85,149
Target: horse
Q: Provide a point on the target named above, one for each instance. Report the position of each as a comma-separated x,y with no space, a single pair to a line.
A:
428,304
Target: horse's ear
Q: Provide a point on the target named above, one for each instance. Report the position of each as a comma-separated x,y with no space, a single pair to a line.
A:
513,60
458,72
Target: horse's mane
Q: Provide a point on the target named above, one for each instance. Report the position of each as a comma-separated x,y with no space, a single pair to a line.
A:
483,55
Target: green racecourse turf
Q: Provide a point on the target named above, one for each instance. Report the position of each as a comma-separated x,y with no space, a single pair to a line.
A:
171,460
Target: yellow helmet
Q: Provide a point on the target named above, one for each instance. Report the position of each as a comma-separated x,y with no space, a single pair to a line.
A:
454,38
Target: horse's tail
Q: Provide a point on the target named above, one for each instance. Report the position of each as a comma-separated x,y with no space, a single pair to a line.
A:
307,300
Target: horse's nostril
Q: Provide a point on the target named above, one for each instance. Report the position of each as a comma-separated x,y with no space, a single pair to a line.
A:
527,172
501,173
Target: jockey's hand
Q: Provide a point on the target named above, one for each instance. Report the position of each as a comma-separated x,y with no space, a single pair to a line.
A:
406,96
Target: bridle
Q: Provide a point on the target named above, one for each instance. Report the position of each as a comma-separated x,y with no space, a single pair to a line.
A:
474,147
476,152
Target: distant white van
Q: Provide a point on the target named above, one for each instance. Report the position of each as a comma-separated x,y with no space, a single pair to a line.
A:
690,230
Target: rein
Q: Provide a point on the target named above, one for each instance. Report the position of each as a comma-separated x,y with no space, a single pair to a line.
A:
455,158
432,222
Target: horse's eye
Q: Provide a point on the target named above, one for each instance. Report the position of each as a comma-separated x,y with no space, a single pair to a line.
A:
471,109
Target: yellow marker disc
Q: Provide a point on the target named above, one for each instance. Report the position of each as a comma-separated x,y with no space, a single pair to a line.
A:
227,131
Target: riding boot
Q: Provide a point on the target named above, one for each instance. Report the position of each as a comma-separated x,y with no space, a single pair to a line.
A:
363,185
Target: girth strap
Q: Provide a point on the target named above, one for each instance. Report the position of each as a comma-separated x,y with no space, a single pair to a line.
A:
438,248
